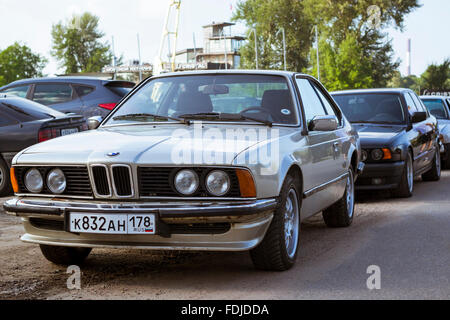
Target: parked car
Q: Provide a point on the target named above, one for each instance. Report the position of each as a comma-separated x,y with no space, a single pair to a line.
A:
24,123
85,96
123,184
439,107
399,138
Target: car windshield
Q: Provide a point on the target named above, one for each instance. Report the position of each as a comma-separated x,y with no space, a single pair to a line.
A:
436,108
262,98
371,108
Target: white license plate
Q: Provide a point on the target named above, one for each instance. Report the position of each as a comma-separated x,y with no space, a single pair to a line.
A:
65,132
112,223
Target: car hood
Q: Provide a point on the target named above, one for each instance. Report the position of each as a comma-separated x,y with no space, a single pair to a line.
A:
146,144
377,135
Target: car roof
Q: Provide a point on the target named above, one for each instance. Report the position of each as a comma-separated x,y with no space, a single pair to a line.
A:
435,97
231,71
376,90
63,79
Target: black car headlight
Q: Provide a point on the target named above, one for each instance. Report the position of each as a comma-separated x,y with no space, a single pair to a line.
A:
33,181
377,154
218,183
56,181
186,182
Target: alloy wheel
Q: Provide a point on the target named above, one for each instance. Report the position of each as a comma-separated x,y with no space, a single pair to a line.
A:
291,223
350,193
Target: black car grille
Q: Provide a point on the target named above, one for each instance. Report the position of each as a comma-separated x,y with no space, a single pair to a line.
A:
122,181
46,224
101,180
78,183
200,228
157,182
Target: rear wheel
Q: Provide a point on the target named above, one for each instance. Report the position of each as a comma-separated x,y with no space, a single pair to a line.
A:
406,186
65,255
278,249
5,185
340,214
434,174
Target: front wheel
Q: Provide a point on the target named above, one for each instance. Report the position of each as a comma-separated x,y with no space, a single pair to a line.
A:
5,186
65,255
341,213
406,186
434,174
278,250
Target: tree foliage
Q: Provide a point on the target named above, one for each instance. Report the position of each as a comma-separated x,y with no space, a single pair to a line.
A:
437,76
354,51
19,62
77,44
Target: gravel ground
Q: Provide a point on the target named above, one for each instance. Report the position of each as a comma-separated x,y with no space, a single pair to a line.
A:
409,239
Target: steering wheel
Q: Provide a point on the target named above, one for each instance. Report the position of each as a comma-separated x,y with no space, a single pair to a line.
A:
261,110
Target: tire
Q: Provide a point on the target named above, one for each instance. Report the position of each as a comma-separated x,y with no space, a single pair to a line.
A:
5,184
65,255
406,186
434,174
340,214
278,251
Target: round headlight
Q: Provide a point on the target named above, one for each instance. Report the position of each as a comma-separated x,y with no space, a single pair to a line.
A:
186,182
364,155
56,181
33,181
377,154
218,183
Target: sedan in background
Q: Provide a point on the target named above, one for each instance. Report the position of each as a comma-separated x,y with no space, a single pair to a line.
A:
399,138
85,96
440,108
24,123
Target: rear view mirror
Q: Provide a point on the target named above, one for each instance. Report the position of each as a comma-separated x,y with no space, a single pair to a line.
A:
418,116
94,122
215,89
323,123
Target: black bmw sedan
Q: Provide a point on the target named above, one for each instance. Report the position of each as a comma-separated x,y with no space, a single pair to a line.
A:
399,138
24,123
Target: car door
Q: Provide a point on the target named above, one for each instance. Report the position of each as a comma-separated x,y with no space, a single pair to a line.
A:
324,148
59,96
419,136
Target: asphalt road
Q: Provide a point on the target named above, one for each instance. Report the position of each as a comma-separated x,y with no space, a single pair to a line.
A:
408,239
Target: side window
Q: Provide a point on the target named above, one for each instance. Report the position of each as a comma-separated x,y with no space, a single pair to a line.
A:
311,102
419,105
83,90
326,103
48,94
410,104
17,91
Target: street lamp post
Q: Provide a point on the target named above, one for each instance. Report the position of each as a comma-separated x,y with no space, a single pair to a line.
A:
284,45
253,30
317,52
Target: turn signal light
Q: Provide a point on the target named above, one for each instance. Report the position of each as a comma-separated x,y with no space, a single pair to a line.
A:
387,154
14,183
246,183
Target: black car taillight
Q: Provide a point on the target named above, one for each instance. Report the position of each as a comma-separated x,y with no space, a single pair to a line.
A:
47,134
107,106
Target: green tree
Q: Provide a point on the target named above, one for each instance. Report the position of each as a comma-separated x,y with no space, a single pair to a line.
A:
268,17
412,82
77,44
437,76
19,62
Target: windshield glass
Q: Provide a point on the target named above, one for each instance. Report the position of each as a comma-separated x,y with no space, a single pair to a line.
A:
209,97
371,108
436,108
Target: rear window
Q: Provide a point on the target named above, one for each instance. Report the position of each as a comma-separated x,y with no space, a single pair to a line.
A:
120,88
83,90
25,110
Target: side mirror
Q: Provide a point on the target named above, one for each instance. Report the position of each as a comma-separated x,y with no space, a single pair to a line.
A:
94,122
419,117
323,123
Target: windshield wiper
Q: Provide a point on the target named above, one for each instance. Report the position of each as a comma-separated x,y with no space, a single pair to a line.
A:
224,117
374,122
149,115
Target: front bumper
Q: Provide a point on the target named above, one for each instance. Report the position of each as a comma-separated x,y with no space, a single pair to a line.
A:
248,222
388,173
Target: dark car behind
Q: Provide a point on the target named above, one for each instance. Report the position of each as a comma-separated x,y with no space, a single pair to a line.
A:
24,123
85,96
399,138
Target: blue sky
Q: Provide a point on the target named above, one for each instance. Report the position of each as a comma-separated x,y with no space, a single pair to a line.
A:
30,22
